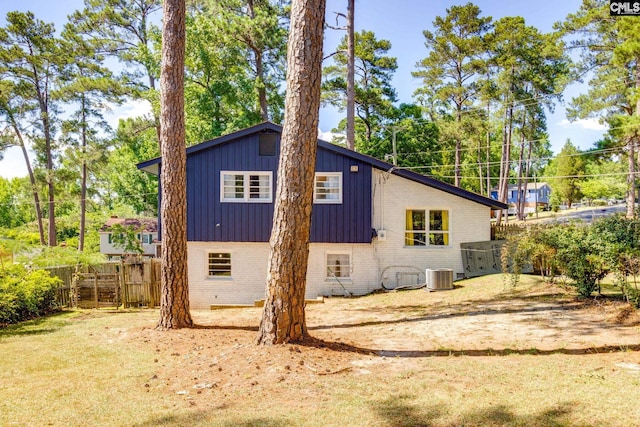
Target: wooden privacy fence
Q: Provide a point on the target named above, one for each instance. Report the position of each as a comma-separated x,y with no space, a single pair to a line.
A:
63,293
503,231
97,286
123,283
141,283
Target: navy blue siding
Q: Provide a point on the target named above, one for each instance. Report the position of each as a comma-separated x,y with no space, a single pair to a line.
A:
349,222
210,220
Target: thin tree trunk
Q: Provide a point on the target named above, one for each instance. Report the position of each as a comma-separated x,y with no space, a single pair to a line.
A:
503,180
283,317
43,103
351,92
52,238
458,169
46,125
174,301
32,181
631,207
631,180
480,172
527,170
257,56
458,151
505,162
262,90
83,180
521,196
142,37
488,152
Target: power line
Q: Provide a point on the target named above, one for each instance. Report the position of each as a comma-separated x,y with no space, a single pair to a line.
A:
540,178
484,147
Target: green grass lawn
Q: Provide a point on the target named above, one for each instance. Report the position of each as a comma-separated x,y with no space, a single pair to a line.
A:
84,368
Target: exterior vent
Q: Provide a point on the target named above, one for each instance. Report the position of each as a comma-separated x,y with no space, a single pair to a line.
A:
439,279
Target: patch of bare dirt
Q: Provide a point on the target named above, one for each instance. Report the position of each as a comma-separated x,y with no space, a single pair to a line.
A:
354,335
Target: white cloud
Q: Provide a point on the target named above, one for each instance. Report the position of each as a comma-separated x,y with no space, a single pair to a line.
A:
328,135
13,165
130,109
590,124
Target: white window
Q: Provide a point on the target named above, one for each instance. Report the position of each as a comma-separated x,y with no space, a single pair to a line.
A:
219,264
328,187
338,266
246,187
426,227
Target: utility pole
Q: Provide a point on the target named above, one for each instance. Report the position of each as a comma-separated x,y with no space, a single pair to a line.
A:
535,186
394,130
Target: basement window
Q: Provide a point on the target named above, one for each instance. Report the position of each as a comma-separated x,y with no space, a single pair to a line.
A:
338,266
219,264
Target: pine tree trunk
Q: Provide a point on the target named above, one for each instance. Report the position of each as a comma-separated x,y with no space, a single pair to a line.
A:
174,300
631,180
260,78
458,151
503,180
631,207
522,191
283,317
32,178
480,172
52,235
488,151
351,91
83,180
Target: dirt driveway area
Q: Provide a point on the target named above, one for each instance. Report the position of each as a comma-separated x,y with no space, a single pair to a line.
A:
539,318
478,336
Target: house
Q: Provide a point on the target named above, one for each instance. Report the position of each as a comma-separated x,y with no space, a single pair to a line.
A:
146,233
535,194
372,224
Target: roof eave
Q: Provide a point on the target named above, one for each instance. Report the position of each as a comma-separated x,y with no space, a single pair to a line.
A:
152,166
416,177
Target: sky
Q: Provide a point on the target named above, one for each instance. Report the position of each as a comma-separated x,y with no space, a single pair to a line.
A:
402,22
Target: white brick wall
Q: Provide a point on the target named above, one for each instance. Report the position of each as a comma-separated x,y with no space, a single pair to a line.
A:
468,222
249,272
388,262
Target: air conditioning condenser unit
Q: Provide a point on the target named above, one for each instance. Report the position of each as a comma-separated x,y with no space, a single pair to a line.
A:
439,279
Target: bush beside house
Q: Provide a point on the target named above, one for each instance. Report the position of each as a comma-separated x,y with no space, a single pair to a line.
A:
25,294
583,253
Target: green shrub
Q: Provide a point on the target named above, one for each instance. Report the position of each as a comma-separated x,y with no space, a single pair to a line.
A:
573,250
25,294
622,251
584,253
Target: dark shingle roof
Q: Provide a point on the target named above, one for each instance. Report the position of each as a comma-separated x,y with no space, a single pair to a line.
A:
151,166
149,225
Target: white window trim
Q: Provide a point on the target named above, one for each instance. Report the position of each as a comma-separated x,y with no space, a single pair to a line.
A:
206,263
328,278
340,187
246,187
427,231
